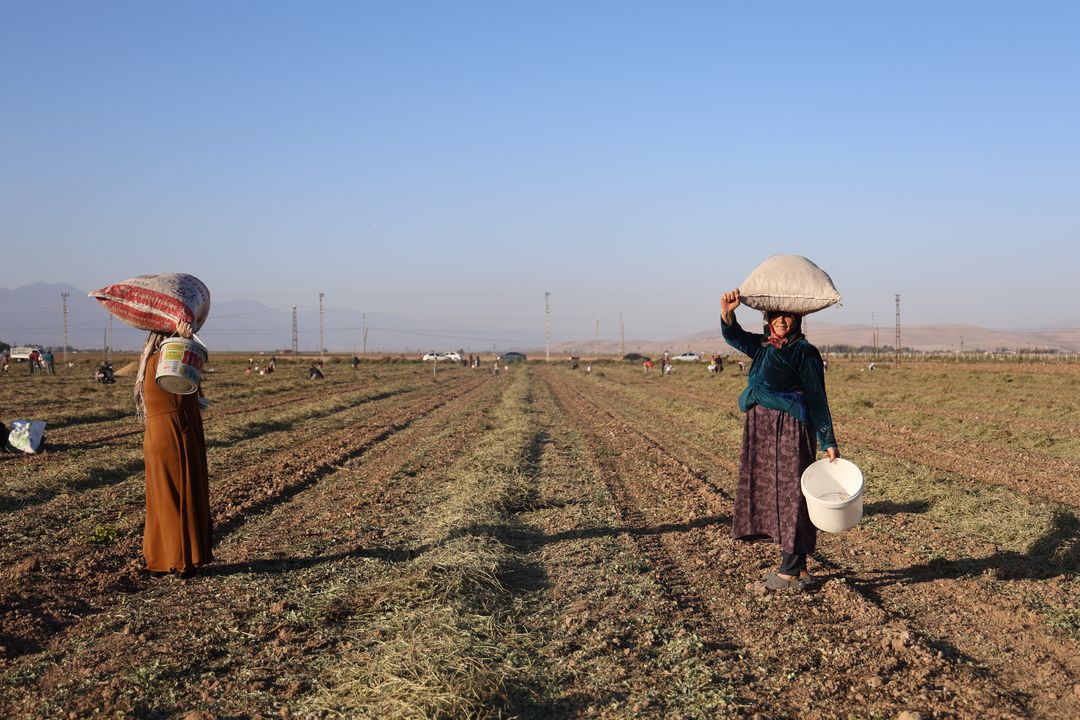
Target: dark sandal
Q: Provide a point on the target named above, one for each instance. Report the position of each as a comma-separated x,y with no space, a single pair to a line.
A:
774,582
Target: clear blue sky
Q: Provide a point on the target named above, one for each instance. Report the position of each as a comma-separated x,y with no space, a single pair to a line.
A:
451,161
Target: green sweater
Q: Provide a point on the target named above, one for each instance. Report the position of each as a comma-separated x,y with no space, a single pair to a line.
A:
790,379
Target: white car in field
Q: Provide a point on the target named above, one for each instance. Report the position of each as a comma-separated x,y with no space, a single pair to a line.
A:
688,357
435,357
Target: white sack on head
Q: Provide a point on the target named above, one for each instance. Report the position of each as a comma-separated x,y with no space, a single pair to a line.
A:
788,282
156,303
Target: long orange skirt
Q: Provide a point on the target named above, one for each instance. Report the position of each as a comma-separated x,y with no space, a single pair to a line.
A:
178,531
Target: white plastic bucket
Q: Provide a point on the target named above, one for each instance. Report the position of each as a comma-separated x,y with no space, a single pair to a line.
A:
833,492
180,364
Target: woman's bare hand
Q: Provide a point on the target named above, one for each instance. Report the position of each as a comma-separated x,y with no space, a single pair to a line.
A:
728,302
832,453
183,329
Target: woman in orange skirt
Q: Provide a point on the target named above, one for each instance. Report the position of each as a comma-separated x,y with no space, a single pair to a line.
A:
178,531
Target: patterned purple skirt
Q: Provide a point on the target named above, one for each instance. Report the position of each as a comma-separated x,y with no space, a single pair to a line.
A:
769,504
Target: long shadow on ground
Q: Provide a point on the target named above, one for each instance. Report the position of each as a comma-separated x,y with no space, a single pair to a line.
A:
1056,552
288,564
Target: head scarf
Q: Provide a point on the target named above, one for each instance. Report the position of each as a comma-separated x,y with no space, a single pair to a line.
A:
771,338
153,342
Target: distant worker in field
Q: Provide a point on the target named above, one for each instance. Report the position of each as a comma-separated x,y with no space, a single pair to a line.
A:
314,373
33,360
787,417
178,530
105,374
48,362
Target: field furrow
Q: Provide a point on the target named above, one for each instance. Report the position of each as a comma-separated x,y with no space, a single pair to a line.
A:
67,561
350,521
791,663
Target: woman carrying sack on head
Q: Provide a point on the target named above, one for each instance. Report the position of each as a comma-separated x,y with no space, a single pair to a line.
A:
787,418
178,531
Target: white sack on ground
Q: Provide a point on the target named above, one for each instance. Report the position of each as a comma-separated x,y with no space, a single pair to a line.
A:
25,436
788,282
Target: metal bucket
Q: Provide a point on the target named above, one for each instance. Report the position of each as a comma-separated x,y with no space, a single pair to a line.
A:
180,364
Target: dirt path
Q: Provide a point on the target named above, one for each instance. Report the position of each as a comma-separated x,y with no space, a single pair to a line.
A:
617,640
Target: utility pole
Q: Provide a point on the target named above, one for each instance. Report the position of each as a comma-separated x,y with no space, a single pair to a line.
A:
547,325
364,352
873,321
322,343
596,341
65,296
295,341
898,329
622,336
108,344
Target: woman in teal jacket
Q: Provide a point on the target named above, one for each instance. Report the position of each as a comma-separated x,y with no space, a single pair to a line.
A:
787,419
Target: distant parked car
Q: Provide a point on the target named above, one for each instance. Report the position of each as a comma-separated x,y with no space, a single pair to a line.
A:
513,357
434,356
688,357
635,357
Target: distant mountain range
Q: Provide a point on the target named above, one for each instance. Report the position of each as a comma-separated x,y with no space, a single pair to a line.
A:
34,315
932,337
925,338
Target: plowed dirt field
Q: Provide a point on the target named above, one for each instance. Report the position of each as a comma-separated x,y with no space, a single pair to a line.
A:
545,543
